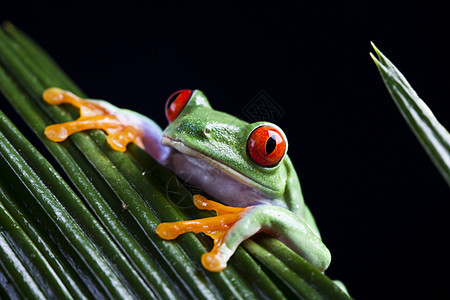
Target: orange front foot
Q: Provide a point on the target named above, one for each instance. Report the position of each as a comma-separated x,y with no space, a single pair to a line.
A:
92,116
215,227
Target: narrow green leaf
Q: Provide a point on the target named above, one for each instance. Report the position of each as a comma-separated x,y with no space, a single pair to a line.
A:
38,267
53,256
297,284
45,234
315,279
96,262
25,285
44,61
8,289
434,138
72,203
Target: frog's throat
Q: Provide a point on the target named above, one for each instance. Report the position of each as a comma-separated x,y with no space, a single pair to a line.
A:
183,148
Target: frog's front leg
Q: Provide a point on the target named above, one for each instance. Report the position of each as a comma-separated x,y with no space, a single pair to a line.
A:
284,225
234,225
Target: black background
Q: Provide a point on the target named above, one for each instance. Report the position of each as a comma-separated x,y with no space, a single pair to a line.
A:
380,203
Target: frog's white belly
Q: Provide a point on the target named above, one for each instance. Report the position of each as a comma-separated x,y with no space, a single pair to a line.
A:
215,182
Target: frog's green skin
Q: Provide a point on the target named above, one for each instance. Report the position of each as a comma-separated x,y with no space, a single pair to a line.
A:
206,141
208,148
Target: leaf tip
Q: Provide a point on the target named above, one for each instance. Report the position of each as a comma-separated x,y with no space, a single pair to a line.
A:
377,51
374,58
373,45
8,26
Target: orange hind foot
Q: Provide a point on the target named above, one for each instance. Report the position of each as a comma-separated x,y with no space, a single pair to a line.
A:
93,115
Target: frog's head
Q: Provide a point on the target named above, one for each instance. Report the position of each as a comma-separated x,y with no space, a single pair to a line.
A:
251,153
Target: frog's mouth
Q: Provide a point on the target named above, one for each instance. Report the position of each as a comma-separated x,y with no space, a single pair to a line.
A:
186,150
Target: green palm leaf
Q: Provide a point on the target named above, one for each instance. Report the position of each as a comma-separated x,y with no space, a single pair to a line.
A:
434,138
98,239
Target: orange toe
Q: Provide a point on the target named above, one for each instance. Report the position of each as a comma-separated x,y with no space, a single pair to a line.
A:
56,133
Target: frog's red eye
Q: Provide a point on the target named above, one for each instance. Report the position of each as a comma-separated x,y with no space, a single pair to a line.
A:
266,145
176,103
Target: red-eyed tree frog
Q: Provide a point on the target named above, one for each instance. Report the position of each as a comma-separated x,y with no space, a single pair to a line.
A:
243,165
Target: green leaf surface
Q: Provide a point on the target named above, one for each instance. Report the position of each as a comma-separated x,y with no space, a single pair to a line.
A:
99,241
434,138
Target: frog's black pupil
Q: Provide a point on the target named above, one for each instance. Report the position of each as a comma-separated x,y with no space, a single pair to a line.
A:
271,144
174,97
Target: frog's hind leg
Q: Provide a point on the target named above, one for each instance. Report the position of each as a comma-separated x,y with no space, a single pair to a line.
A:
215,227
92,116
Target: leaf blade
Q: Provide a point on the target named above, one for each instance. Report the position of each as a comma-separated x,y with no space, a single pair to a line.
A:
433,137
